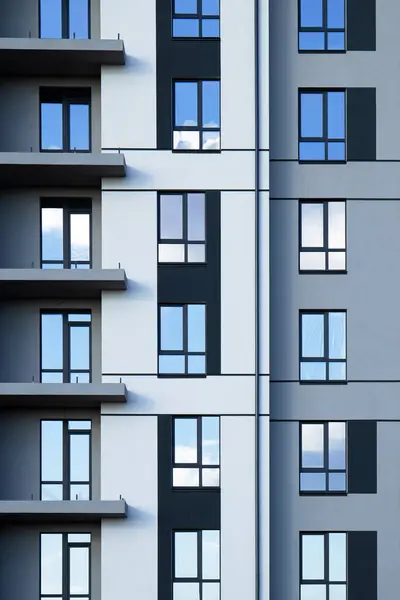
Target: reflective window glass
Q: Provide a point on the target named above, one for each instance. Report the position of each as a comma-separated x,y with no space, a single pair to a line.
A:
51,126
337,445
211,107
79,19
65,119
51,564
171,327
80,457
186,440
79,348
210,440
312,445
323,236
197,115
185,6
196,558
322,125
313,553
52,451
336,114
323,457
312,225
311,115
210,554
182,228
52,341
80,237
186,554
322,25
323,346
196,328
186,110
196,217
312,335
78,571
171,216
337,335
52,235
79,127
51,18
186,28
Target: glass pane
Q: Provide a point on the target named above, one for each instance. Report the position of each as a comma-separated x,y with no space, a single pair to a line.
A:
80,347
197,365
337,261
51,126
313,592
185,439
52,491
196,314
171,253
210,440
52,338
52,266
312,335
337,445
337,592
79,19
185,553
79,127
312,445
335,40
311,13
171,327
312,225
312,482
79,492
185,477
210,477
80,236
313,556
337,557
79,318
312,261
188,7
313,371
337,371
337,335
210,28
337,482
311,115
311,40
79,538
185,28
336,114
196,217
52,378
312,151
210,591
52,450
210,554
211,140
51,563
336,151
337,225
50,19
211,107
186,103
79,570
79,377
79,457
186,140
171,223
210,7
196,253
335,14
52,234
171,364
186,591
81,425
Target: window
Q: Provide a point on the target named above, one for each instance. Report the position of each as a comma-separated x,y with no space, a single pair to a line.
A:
182,339
65,120
196,115
323,566
65,347
65,566
323,346
196,565
321,25
182,228
195,18
196,452
65,460
65,19
323,457
322,125
322,236
66,236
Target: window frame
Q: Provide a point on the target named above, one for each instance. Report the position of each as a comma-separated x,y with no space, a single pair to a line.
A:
325,248
324,138
67,97
325,359
325,581
199,465
198,16
65,21
184,241
325,469
199,127
324,29
66,347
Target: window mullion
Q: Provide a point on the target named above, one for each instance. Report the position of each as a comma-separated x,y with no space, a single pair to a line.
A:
326,455
325,121
200,449
200,111
326,562
66,462
200,562
185,225
65,566
67,238
326,342
65,348
185,336
66,125
325,233
65,19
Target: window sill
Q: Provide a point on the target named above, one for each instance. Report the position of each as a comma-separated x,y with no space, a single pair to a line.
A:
328,493
322,51
322,382
322,162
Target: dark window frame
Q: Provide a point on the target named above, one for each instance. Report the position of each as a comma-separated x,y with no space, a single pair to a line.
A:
69,207
325,248
325,469
65,558
199,465
66,97
65,21
324,29
184,352
184,241
67,433
199,127
325,359
325,581
325,139
66,370
198,16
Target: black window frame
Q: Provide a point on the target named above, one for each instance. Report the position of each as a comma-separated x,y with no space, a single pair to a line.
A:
66,97
325,581
325,359
324,29
69,207
184,352
325,248
325,469
65,21
199,465
184,241
324,138
199,127
198,16
65,558
67,433
66,371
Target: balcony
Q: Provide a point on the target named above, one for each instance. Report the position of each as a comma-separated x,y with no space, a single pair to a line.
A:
60,395
62,511
58,57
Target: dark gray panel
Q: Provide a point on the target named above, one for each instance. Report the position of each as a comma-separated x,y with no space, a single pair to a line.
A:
362,565
361,124
362,457
361,25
